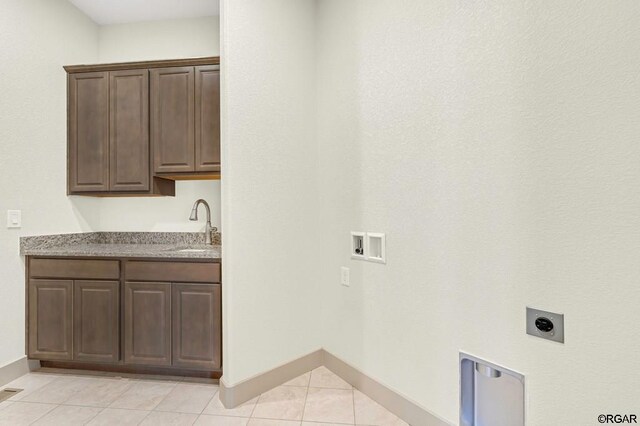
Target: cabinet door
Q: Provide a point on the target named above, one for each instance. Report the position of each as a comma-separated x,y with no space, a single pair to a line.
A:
96,321
129,130
207,119
88,127
147,323
197,325
172,119
50,319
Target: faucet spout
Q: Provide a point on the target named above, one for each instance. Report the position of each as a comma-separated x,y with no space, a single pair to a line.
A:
194,216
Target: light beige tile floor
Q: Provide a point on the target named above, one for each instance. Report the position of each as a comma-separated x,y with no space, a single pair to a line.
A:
317,398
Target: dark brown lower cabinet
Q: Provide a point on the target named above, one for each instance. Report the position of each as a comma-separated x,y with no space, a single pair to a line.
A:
197,327
50,319
147,323
96,328
119,314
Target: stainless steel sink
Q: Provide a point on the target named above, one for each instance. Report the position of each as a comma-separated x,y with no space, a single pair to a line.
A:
191,249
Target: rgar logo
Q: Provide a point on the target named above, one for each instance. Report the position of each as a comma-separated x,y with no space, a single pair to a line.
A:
617,418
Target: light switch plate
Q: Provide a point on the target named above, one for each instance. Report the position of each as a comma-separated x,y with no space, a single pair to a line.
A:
344,276
14,218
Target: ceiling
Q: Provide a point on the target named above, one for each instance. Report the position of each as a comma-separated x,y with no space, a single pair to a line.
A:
106,12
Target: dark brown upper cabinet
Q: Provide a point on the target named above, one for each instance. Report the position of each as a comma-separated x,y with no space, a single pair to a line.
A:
185,121
135,127
129,168
88,127
172,119
207,120
109,135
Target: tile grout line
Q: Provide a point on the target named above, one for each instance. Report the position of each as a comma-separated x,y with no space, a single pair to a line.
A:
42,416
207,404
306,395
173,384
353,397
91,419
144,418
254,407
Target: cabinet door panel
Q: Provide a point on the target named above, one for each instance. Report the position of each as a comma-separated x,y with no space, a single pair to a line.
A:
50,319
172,119
129,131
207,119
88,115
197,335
96,321
147,323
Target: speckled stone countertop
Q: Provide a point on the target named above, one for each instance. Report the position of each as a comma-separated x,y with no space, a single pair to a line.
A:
168,245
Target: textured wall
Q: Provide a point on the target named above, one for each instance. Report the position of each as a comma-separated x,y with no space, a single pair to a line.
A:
496,143
37,37
180,38
269,212
165,39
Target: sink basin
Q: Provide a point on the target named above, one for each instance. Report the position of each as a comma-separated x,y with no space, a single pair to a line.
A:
191,249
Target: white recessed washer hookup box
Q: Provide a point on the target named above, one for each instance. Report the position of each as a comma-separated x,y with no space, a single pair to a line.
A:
358,245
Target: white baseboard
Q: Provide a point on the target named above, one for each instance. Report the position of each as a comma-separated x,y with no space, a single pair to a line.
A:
13,370
400,405
232,396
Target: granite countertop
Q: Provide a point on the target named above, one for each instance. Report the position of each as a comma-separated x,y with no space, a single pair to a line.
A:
167,245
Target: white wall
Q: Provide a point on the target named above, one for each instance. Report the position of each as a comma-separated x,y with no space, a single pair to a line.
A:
168,39
37,37
270,300
181,38
497,146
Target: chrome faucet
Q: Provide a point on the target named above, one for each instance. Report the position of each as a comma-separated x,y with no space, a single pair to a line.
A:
194,216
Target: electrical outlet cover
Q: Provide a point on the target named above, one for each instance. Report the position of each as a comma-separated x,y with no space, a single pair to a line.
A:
545,324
